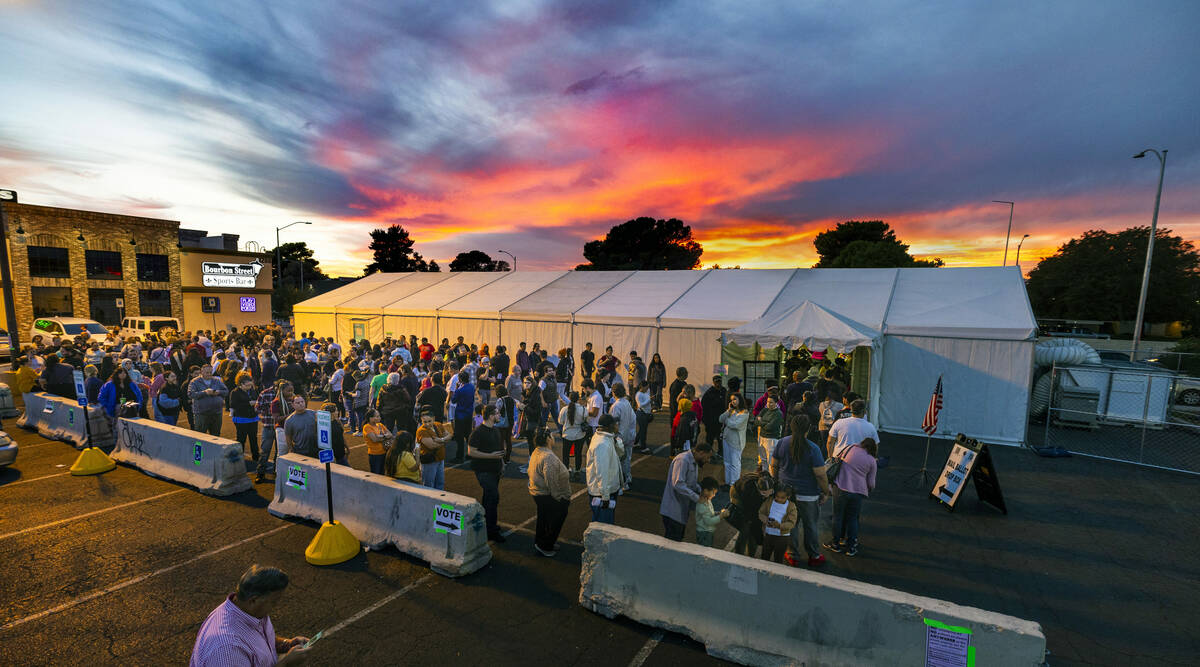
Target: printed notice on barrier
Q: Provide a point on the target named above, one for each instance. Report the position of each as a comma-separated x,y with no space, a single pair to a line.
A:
446,519
742,580
49,409
297,477
947,645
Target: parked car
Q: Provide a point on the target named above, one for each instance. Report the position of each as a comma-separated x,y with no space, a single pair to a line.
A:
5,345
150,328
8,450
1187,391
67,327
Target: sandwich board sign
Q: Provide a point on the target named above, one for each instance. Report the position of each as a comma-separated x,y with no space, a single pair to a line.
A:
969,460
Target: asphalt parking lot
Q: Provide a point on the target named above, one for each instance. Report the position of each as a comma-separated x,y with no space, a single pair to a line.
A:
123,568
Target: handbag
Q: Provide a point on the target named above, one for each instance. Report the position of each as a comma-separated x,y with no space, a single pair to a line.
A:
834,464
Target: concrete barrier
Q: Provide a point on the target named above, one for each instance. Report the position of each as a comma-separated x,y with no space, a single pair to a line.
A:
760,613
214,466
443,528
57,418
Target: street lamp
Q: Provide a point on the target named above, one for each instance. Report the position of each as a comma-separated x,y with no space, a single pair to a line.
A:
278,261
514,258
1019,244
1141,312
1010,212
6,275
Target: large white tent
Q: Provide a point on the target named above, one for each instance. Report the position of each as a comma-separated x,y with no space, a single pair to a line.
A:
972,326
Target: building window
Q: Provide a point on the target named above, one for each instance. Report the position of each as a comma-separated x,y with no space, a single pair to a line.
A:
152,268
103,264
155,302
52,301
104,305
49,262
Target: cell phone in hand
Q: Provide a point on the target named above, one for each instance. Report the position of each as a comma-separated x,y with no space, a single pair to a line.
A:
314,639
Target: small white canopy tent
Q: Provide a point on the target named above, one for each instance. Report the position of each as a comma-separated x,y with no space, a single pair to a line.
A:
806,325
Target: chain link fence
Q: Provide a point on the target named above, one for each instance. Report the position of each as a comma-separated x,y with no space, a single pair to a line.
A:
1145,412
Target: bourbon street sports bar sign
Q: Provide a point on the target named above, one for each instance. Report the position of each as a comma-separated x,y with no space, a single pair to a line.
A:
218,274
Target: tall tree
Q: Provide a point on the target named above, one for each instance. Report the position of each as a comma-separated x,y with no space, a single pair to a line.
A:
1098,276
292,257
643,243
864,244
394,252
477,260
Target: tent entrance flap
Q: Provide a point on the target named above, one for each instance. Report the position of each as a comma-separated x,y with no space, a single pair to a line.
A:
804,325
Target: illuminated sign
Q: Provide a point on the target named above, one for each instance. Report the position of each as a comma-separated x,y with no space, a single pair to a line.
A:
219,274
249,304
8,195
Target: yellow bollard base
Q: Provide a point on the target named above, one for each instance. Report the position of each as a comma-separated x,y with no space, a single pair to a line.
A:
333,544
92,461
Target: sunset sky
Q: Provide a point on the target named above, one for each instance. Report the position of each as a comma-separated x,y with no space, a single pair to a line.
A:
535,126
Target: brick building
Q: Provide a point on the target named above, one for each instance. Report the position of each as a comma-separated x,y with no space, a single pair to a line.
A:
74,263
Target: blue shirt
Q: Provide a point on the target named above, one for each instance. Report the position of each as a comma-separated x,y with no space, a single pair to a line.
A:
798,474
464,401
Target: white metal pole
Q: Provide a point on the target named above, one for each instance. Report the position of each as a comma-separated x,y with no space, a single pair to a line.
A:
1141,312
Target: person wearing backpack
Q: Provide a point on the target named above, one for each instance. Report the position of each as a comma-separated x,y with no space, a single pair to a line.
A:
506,407
686,429
829,408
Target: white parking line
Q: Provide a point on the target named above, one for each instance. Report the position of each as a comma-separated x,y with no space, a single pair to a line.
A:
84,516
34,479
377,605
646,649
129,582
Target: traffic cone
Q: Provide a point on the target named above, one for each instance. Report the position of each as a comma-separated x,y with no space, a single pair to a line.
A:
92,461
333,544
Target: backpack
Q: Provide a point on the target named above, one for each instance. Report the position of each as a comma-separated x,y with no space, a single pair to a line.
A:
688,429
829,415
502,407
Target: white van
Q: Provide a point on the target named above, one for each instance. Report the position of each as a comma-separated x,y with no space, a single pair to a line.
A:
151,328
65,327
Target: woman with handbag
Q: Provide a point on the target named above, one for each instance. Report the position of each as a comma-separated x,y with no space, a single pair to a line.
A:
854,478
745,498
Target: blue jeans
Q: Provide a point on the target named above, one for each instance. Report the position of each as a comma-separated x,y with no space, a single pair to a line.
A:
375,461
433,475
165,419
268,443
846,508
490,483
804,534
602,513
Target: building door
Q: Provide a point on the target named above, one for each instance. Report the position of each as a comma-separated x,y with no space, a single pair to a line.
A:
360,330
104,305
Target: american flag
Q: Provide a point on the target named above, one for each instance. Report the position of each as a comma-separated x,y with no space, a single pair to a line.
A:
929,424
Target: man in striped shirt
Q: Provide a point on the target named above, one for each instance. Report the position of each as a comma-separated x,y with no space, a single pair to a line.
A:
239,631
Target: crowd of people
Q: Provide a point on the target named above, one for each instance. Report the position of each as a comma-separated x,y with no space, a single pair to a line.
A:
418,405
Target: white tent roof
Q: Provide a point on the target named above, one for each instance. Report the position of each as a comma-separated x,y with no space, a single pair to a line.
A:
640,298
988,302
490,299
428,301
558,300
725,298
977,303
807,325
324,303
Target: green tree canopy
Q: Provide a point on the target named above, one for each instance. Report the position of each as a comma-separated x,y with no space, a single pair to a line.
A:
394,252
864,244
477,260
292,258
1098,276
643,243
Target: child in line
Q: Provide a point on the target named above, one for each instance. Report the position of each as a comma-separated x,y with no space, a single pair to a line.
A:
378,439
778,515
400,463
706,518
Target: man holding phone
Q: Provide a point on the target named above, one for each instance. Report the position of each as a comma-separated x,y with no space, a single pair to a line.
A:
237,632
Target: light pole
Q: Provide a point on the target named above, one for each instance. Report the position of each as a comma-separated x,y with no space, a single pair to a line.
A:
278,261
1141,313
1019,244
1010,212
514,258
10,308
